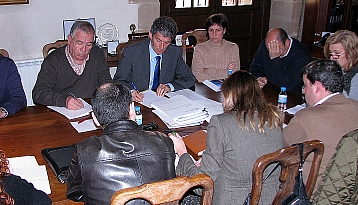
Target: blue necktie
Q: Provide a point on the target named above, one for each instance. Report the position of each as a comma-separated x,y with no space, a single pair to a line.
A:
156,74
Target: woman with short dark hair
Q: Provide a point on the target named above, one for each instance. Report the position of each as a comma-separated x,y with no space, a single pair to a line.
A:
213,58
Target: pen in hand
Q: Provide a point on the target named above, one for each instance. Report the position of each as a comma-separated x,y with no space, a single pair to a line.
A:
72,95
134,87
74,105
136,96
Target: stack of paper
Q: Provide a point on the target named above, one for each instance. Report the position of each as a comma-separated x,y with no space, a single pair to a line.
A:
27,168
179,111
211,106
85,126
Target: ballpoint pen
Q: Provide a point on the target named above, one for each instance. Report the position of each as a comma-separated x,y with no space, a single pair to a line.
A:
134,87
87,117
72,95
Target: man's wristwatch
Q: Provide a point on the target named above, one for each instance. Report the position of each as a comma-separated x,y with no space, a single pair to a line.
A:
4,111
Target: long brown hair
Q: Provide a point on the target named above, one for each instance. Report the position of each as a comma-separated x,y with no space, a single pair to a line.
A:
242,93
5,199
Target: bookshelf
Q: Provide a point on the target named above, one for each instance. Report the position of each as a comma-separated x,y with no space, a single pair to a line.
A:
327,16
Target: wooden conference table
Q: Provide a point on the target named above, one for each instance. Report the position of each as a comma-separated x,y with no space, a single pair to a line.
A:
37,127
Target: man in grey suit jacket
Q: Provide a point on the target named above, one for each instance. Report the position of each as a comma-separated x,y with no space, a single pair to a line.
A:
136,69
328,116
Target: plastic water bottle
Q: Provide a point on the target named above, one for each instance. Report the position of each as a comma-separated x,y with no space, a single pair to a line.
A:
229,72
282,99
138,115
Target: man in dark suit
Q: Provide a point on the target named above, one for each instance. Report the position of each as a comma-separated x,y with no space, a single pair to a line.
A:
155,63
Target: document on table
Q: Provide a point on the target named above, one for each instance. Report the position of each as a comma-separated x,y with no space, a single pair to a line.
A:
149,97
85,126
170,123
27,168
295,109
71,114
211,106
178,107
215,85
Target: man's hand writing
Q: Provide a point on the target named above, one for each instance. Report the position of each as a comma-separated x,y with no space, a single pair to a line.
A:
162,89
137,96
73,103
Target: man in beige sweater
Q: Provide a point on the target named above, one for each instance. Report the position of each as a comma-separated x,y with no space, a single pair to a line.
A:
328,116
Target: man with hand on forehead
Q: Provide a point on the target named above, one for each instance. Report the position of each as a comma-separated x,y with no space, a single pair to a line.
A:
279,60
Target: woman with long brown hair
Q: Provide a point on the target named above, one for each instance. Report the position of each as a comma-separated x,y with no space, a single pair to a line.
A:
17,191
248,129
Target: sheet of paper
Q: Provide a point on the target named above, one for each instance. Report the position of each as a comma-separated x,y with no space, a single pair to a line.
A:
27,168
187,93
85,126
295,109
25,161
71,114
150,97
215,85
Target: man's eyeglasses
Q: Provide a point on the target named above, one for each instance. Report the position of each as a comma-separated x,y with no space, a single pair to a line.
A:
335,55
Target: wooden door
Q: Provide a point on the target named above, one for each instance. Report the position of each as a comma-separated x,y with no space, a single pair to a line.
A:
248,20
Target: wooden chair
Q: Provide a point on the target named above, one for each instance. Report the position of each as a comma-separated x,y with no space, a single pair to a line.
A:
51,46
4,52
120,46
289,158
199,35
167,192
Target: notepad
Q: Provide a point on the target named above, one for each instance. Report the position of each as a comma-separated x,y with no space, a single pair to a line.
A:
71,114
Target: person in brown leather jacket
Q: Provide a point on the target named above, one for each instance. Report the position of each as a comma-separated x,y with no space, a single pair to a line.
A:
124,156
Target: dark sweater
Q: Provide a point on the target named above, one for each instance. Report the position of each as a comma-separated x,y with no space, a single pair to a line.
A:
12,95
286,71
57,78
23,192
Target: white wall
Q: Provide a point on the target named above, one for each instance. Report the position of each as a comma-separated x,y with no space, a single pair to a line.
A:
26,28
